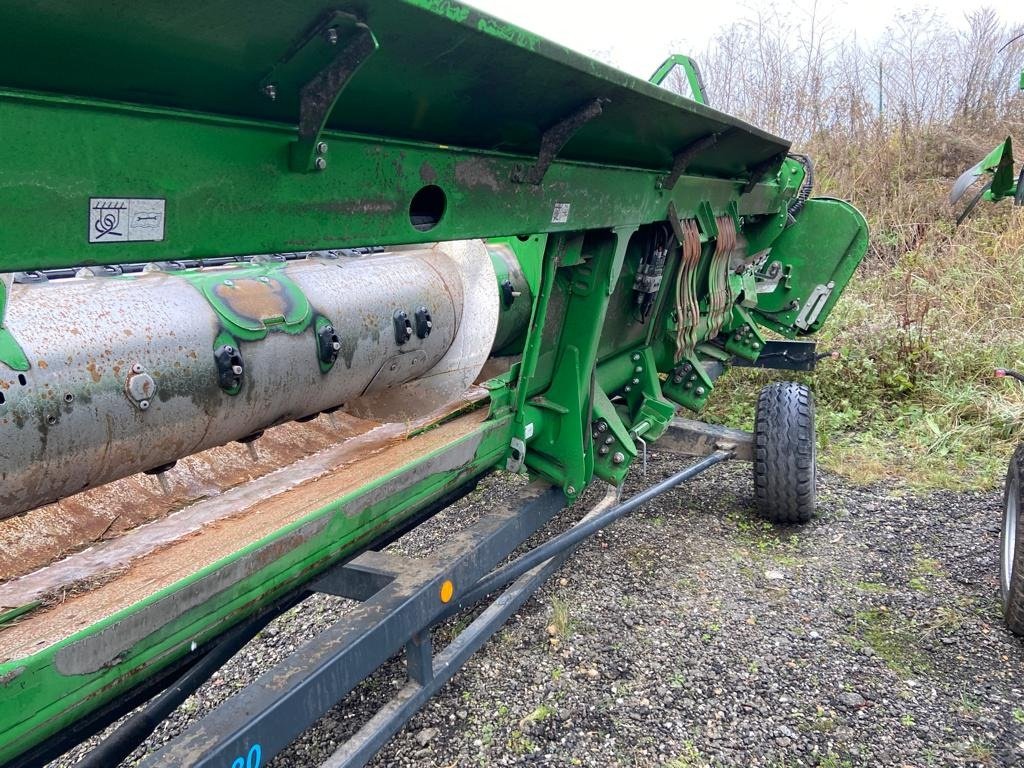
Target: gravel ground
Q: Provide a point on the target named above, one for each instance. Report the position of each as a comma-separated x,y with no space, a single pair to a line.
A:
692,634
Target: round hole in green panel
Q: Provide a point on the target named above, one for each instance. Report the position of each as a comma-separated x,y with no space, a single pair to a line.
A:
427,208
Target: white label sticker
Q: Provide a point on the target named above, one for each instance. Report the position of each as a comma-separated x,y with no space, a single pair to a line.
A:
560,214
126,219
528,431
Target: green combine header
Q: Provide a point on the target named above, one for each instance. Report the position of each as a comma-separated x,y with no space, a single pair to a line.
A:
282,280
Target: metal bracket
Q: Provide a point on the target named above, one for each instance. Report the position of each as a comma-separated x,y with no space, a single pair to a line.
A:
687,155
517,455
319,95
759,171
814,305
785,355
554,139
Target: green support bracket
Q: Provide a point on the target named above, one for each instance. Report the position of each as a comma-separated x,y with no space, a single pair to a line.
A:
11,353
689,384
332,31
556,418
744,339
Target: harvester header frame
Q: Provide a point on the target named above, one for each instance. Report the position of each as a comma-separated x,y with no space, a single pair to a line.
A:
638,243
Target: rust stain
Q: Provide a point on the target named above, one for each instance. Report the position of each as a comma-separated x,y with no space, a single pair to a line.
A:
42,364
427,173
254,299
94,372
474,173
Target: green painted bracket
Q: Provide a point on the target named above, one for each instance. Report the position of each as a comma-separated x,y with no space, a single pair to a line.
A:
678,70
689,384
745,339
11,353
318,96
999,162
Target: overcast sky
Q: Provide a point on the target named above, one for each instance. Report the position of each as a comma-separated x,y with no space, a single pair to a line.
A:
638,35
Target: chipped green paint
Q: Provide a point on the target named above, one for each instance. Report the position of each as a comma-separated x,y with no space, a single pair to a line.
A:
508,32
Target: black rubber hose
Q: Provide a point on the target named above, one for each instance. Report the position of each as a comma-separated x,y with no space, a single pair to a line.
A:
804,193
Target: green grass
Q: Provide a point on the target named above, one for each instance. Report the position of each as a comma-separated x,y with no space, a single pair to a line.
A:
561,623
893,638
689,757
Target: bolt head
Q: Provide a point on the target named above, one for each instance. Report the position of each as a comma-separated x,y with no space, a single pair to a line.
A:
636,381
336,346
229,283
618,457
636,357
627,388
136,368
320,163
270,91
570,490
699,391
237,370
638,369
331,35
321,147
144,405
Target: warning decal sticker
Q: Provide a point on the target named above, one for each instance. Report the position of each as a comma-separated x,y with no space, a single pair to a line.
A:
126,219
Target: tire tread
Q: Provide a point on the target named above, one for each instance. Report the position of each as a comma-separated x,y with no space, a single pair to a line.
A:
784,453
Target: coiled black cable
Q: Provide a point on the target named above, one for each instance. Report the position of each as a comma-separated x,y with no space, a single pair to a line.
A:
804,193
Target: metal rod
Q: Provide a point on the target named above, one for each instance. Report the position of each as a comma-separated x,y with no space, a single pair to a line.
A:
376,732
582,530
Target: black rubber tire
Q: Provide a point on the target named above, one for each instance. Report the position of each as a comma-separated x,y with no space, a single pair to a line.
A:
785,456
1011,582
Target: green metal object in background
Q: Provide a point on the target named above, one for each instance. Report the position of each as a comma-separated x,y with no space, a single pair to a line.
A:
998,168
647,240
681,74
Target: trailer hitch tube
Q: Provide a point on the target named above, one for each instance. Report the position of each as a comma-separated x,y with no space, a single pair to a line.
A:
577,534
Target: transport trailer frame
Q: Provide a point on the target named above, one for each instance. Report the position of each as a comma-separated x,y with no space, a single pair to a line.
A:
401,599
